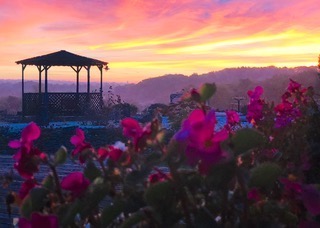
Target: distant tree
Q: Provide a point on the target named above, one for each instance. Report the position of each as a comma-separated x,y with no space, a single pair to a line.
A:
11,104
152,111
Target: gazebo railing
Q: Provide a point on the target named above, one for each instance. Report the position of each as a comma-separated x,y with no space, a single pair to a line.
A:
62,104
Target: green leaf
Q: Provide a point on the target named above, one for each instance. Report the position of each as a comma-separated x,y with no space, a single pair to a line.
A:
48,182
95,194
111,212
38,198
221,174
133,220
91,171
160,195
60,156
26,207
68,212
246,139
265,175
207,90
34,201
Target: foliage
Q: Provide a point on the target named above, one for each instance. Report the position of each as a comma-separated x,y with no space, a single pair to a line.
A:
266,175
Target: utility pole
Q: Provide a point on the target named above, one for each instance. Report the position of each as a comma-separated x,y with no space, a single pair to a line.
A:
238,100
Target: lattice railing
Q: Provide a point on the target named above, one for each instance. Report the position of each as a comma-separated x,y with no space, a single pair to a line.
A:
62,104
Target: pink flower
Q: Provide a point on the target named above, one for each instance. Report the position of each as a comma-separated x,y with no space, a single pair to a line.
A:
30,133
203,143
78,140
26,187
291,186
39,220
293,86
27,157
286,113
75,182
232,117
159,176
311,199
232,120
28,163
255,105
111,152
254,195
132,129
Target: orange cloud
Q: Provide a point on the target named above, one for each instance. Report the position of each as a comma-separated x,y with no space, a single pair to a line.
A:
149,38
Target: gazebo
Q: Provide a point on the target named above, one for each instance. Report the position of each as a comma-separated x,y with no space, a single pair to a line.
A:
76,103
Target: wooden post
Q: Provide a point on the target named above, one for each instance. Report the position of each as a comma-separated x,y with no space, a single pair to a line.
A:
46,96
101,90
88,77
23,101
77,70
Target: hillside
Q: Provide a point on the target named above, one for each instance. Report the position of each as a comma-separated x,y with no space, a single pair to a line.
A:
231,82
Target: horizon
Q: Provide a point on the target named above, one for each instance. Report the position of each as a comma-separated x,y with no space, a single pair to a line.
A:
146,39
159,76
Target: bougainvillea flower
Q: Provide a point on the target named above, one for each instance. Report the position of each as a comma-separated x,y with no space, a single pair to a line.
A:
291,186
311,199
27,157
139,135
286,113
114,153
254,194
27,163
232,117
75,182
293,86
158,176
26,187
255,106
78,140
111,152
39,220
232,120
131,127
203,143
30,133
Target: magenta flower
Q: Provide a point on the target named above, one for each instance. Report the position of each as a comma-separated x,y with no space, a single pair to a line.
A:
254,195
78,140
255,105
232,120
27,157
291,186
203,143
232,117
293,86
286,113
311,199
111,152
132,129
75,182
28,163
158,176
30,133
26,187
39,220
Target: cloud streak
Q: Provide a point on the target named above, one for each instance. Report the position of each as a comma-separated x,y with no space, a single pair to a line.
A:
148,38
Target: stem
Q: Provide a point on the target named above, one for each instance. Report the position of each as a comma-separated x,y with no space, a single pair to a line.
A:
244,197
182,193
57,182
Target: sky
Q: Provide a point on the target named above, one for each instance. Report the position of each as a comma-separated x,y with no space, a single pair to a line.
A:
147,38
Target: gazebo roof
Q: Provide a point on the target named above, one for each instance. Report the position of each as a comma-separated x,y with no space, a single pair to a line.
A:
61,58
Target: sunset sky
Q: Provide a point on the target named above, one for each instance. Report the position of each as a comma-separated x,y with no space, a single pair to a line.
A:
147,38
